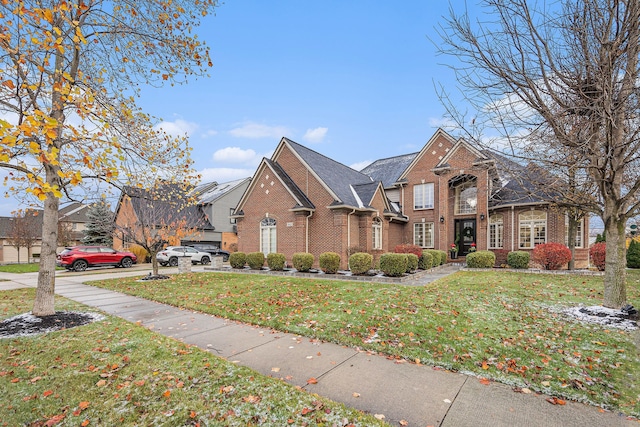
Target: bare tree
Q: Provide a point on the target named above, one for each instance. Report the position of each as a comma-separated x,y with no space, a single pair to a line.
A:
156,218
541,66
65,234
25,230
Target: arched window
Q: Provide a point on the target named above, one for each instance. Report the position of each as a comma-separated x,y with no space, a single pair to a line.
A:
496,231
466,197
268,236
377,233
533,229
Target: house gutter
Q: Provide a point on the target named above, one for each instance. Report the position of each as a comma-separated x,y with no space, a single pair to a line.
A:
306,242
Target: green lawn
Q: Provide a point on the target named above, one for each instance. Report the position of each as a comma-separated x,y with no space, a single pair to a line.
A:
20,268
114,373
499,325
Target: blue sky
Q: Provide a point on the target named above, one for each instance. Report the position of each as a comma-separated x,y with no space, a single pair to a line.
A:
353,80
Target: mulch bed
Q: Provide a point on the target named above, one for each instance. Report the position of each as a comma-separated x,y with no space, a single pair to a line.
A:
27,324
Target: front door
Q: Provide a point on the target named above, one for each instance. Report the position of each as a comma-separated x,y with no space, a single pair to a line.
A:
465,234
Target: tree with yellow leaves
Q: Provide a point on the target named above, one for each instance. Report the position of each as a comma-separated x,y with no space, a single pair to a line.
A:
70,72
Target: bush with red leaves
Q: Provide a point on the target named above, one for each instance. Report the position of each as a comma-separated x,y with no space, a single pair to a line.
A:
406,248
551,256
597,254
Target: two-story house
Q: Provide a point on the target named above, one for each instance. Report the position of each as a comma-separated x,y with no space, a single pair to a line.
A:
447,193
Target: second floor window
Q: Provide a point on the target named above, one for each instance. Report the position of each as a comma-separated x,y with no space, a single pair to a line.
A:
466,198
423,196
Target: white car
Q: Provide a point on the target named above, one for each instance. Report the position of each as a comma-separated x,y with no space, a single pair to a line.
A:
169,255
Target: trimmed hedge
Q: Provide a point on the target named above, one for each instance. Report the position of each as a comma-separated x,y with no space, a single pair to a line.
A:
255,260
597,253
276,261
518,259
329,262
412,262
360,262
426,260
394,264
443,257
481,259
302,261
551,256
237,259
437,257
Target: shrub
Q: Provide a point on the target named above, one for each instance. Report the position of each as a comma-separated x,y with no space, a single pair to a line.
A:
394,264
481,259
255,260
140,253
518,259
412,262
597,253
237,259
443,257
436,257
406,248
633,254
426,260
275,261
329,262
551,256
302,261
360,262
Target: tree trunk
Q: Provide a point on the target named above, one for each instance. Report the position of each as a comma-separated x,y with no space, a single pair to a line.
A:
154,265
44,301
615,293
571,241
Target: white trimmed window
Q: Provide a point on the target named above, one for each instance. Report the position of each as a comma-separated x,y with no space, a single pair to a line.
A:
377,233
579,232
423,234
268,236
496,231
533,229
466,198
423,196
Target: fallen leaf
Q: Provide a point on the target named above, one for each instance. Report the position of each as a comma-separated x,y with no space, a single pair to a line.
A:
485,365
556,401
167,393
305,411
85,423
47,393
83,405
485,381
403,423
54,420
379,416
101,383
312,381
275,369
356,394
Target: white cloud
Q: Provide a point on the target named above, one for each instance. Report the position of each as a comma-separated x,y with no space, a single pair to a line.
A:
442,122
225,174
315,135
361,165
179,127
257,130
236,155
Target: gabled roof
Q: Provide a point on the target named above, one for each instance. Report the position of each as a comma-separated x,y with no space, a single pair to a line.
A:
365,193
425,149
164,200
209,192
74,212
390,169
300,198
334,176
461,143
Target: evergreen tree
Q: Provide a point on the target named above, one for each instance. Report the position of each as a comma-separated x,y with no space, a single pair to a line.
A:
633,254
600,238
99,230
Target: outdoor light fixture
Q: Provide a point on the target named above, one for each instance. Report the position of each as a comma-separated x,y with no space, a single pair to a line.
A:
442,219
481,217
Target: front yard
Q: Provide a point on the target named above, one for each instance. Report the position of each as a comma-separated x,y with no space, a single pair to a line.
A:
508,327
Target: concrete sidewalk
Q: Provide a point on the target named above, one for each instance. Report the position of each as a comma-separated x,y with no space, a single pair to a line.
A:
420,395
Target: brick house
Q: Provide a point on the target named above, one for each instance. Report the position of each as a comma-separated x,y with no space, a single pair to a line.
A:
447,193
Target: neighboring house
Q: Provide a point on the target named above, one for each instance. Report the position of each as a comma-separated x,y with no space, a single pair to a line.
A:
208,216
447,193
218,202
72,221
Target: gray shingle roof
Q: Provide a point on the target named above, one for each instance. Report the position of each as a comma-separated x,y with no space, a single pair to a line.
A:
209,192
303,201
389,170
366,192
335,175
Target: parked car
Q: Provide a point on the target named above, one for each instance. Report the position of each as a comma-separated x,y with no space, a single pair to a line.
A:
78,258
170,255
213,250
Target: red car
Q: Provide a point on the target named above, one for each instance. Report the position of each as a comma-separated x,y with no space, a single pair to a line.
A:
78,258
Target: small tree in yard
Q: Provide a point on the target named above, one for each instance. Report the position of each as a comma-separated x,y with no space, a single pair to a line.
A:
99,229
633,254
69,76
156,218
24,231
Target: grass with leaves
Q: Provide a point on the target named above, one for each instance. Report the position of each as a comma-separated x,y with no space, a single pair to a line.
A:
20,268
113,372
499,325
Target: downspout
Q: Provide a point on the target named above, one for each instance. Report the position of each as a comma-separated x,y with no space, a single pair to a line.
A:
349,228
513,230
306,239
